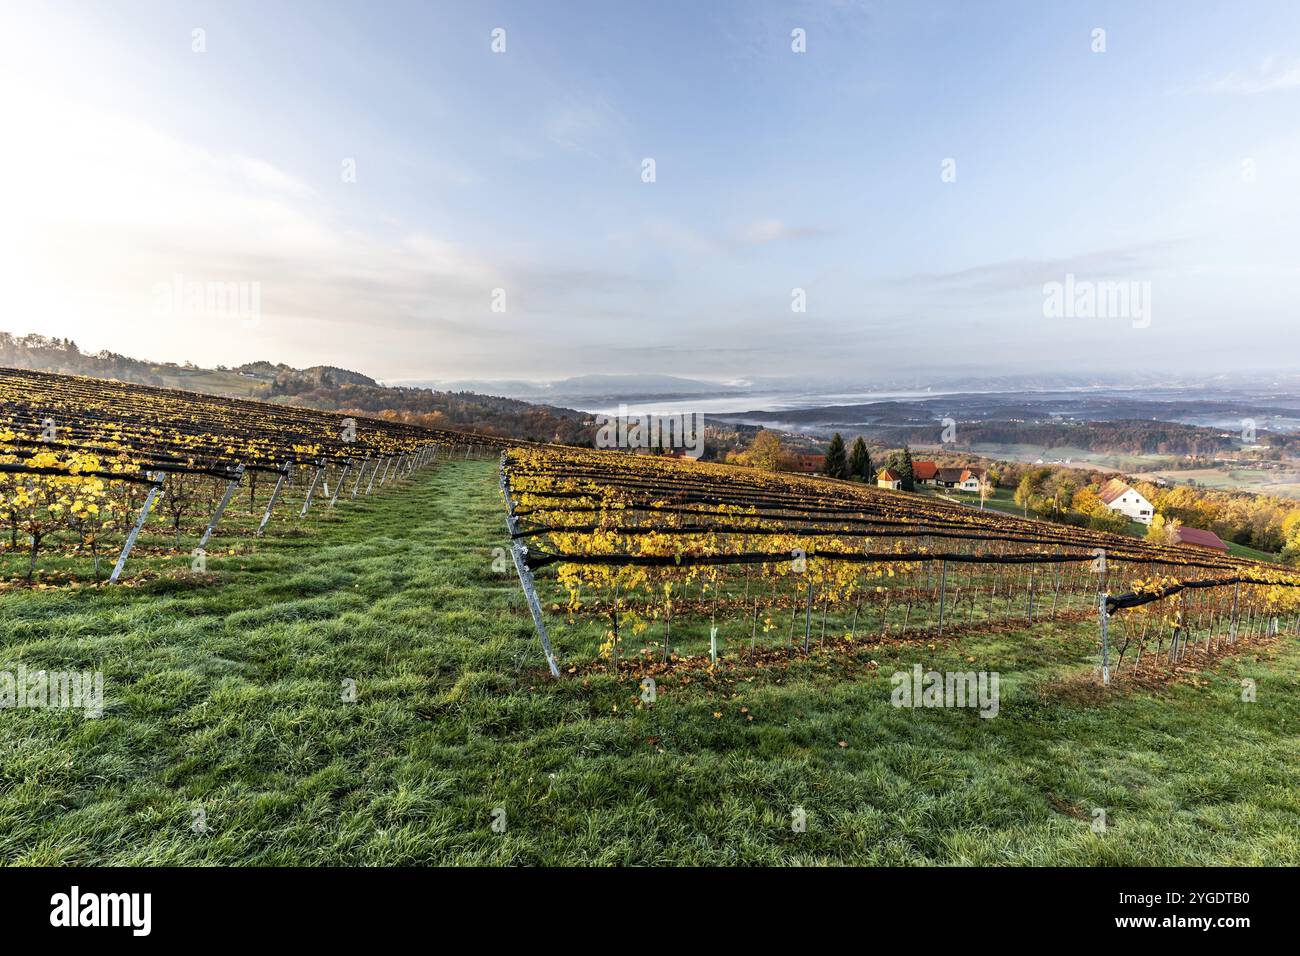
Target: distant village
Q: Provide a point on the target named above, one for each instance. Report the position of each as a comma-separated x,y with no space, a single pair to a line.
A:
904,474
1223,520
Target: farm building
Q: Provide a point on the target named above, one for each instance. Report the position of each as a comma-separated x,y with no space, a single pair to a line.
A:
923,472
807,464
1122,497
1197,538
970,479
889,479
963,479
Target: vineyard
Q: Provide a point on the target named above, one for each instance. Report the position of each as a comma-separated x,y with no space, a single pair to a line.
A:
356,679
631,562
642,562
86,463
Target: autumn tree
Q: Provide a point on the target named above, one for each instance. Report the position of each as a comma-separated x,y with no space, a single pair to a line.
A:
1094,513
765,452
1291,545
1030,490
1161,530
1060,488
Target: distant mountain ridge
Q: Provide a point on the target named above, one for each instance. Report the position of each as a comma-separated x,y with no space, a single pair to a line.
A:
324,387
594,387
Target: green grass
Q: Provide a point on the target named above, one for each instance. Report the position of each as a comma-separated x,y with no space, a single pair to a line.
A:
1241,551
223,695
1002,499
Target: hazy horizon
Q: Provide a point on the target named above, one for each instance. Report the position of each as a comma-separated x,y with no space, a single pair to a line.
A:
915,175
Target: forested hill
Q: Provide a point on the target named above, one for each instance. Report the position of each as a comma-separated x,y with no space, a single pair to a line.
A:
321,386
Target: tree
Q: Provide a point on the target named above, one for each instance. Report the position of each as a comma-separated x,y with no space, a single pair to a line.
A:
900,464
836,465
1095,514
1161,530
1116,522
860,460
765,452
1031,488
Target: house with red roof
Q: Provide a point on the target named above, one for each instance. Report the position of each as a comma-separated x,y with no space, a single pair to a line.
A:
807,464
963,479
1197,538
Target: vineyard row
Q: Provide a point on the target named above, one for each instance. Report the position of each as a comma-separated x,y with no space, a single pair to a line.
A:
623,539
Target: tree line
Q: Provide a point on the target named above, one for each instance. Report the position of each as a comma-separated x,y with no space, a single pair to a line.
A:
1070,495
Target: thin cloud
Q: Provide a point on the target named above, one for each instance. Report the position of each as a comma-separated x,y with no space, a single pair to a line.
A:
260,173
1273,74
1017,274
674,237
774,230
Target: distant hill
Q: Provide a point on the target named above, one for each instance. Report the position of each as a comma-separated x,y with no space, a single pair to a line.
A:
321,386
597,388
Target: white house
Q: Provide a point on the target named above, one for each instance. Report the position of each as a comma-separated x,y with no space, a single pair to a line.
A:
887,479
1118,496
970,479
963,479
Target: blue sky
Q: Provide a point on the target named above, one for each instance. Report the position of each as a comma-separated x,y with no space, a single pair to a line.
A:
1172,158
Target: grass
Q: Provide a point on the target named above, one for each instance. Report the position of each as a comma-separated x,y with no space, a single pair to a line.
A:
224,707
1254,554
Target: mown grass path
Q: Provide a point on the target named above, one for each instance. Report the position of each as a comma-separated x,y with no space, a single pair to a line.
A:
225,738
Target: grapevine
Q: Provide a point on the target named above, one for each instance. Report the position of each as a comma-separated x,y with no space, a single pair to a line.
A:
657,551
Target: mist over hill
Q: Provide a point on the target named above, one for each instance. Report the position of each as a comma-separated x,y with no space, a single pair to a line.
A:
598,389
322,387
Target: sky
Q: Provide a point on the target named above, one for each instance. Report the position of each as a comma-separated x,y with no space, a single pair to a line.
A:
374,186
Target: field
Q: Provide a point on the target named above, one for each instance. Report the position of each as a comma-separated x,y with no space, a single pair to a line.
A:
361,681
1257,480
1148,467
1078,457
223,697
210,381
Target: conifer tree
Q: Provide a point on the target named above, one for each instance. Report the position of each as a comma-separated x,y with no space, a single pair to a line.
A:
836,465
860,460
